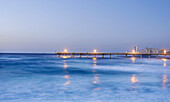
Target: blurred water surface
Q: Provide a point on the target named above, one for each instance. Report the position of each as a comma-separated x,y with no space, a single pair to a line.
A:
47,78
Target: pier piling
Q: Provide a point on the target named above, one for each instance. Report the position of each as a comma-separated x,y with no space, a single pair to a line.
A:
140,56
125,55
102,55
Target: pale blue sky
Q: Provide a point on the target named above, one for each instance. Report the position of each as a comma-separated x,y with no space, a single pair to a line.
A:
82,25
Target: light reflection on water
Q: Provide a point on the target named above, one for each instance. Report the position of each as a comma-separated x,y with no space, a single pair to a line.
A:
165,78
119,80
67,77
164,81
164,59
96,76
94,64
135,81
133,59
96,79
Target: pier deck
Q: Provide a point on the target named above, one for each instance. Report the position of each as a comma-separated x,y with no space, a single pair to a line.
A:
80,54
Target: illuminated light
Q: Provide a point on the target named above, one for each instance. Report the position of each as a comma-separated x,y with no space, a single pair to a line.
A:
164,51
65,50
134,79
133,59
94,50
133,51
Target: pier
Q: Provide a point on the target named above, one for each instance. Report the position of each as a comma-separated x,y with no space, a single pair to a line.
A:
108,55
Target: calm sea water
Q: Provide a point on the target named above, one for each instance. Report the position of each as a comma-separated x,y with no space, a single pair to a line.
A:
46,78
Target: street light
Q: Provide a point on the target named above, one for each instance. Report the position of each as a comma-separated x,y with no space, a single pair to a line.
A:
164,51
133,51
65,50
94,50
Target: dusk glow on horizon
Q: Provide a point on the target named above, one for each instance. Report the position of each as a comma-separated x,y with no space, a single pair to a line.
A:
109,26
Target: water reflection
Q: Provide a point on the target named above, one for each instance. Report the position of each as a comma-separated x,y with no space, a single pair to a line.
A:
96,76
64,57
164,59
94,64
96,89
133,59
65,66
164,78
135,81
96,79
67,77
164,64
164,81
96,82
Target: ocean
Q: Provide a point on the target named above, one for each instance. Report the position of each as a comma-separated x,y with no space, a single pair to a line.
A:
47,78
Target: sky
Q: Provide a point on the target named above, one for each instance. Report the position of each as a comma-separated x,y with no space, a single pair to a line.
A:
83,25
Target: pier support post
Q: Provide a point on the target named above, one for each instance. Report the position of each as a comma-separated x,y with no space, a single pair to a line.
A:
58,55
102,55
87,55
95,55
125,55
80,55
110,55
72,55
149,56
165,56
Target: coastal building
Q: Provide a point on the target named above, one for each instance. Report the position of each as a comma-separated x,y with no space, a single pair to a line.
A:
151,50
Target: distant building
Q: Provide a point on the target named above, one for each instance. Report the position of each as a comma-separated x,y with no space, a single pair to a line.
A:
137,49
150,50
